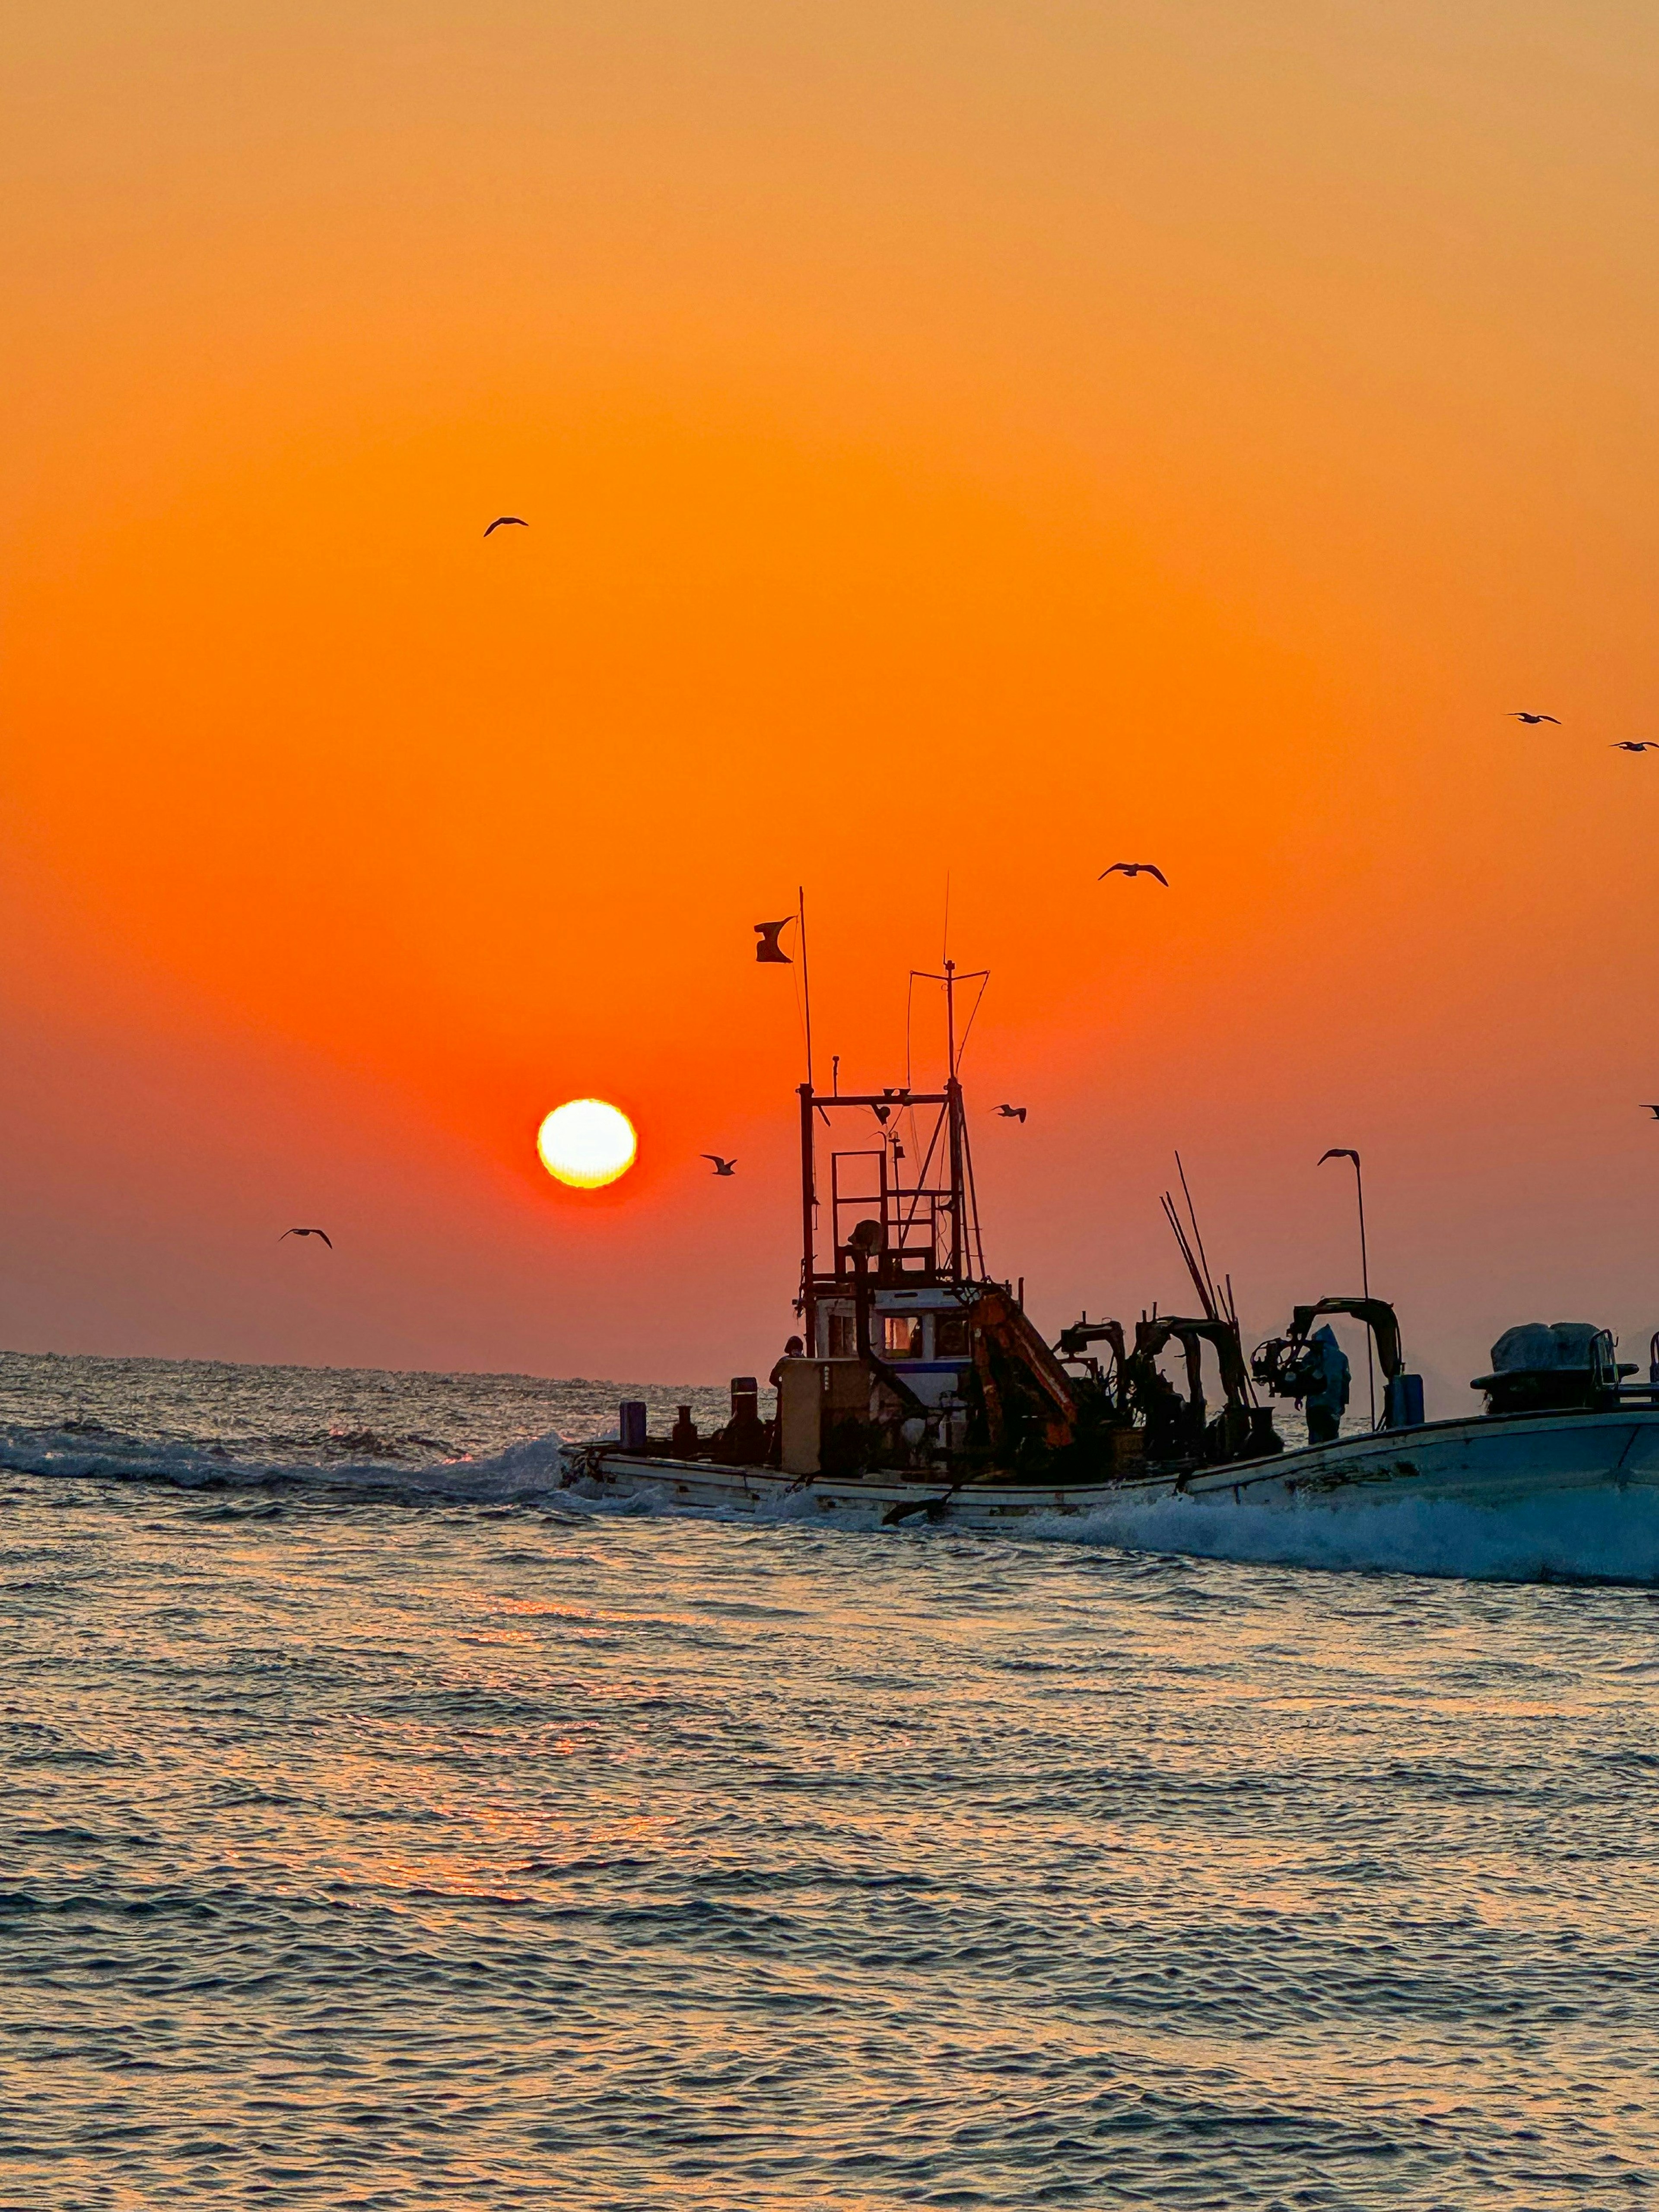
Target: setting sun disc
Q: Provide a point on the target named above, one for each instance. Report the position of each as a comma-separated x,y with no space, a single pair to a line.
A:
586,1143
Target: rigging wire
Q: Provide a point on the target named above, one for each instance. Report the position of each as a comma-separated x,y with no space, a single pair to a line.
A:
984,986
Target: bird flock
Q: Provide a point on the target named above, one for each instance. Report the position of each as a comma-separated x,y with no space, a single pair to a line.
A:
1616,744
770,949
769,931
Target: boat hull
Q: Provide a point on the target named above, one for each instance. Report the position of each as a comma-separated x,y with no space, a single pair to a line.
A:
1592,1474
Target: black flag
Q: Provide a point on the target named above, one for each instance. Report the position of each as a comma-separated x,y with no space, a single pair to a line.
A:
768,948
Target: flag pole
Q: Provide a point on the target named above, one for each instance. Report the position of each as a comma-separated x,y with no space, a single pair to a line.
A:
1365,1289
805,977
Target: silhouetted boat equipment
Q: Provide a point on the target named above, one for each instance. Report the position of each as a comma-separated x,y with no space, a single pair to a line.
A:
922,1389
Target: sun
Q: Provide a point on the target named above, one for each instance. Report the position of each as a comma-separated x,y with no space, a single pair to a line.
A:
587,1143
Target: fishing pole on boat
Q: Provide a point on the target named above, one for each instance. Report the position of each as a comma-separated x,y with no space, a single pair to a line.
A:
1197,1234
1204,1298
1221,1312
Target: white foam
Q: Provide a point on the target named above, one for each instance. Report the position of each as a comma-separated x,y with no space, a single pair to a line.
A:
1587,1535
1594,1536
1603,1534
521,1470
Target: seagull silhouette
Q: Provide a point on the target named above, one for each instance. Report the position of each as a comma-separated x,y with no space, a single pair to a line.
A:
1133,868
323,1233
1012,1113
721,1167
1634,745
502,519
1520,716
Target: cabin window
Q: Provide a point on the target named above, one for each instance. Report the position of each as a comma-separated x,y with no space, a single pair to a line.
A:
843,1336
900,1335
950,1337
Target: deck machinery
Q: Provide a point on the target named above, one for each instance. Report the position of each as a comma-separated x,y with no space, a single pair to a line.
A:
916,1358
915,1362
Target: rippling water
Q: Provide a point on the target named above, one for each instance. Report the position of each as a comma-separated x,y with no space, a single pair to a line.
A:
377,1848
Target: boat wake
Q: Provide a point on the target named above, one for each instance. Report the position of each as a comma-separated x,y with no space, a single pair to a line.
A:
355,1460
208,1425
1588,1535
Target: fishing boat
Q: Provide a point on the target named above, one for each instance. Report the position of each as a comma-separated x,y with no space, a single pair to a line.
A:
918,1390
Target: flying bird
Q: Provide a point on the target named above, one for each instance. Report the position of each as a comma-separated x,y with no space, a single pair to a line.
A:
1520,716
323,1233
721,1167
1012,1113
1635,746
1133,868
517,519
768,948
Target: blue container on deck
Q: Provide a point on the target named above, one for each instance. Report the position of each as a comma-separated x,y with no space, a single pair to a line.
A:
631,1422
1402,1402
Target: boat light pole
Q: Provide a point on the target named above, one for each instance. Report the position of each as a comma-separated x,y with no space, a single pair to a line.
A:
1347,1152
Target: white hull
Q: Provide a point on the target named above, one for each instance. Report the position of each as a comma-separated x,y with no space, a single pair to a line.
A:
1599,1471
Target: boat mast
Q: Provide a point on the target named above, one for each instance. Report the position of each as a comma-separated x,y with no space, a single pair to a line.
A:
953,1094
932,1190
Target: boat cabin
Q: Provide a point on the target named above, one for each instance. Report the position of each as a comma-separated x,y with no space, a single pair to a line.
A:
892,1260
921,1334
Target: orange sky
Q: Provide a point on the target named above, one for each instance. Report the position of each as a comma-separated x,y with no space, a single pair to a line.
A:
988,439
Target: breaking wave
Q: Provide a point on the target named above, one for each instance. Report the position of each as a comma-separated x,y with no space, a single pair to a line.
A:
214,1424
352,1460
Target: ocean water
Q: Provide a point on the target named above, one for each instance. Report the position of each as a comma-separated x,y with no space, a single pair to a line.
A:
378,1829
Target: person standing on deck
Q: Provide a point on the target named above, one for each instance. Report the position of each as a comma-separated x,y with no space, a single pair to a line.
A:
1327,1400
794,1349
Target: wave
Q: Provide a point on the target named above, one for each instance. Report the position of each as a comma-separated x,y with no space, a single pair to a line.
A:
359,1460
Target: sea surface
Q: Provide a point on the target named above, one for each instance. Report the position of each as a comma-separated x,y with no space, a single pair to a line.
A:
378,1828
